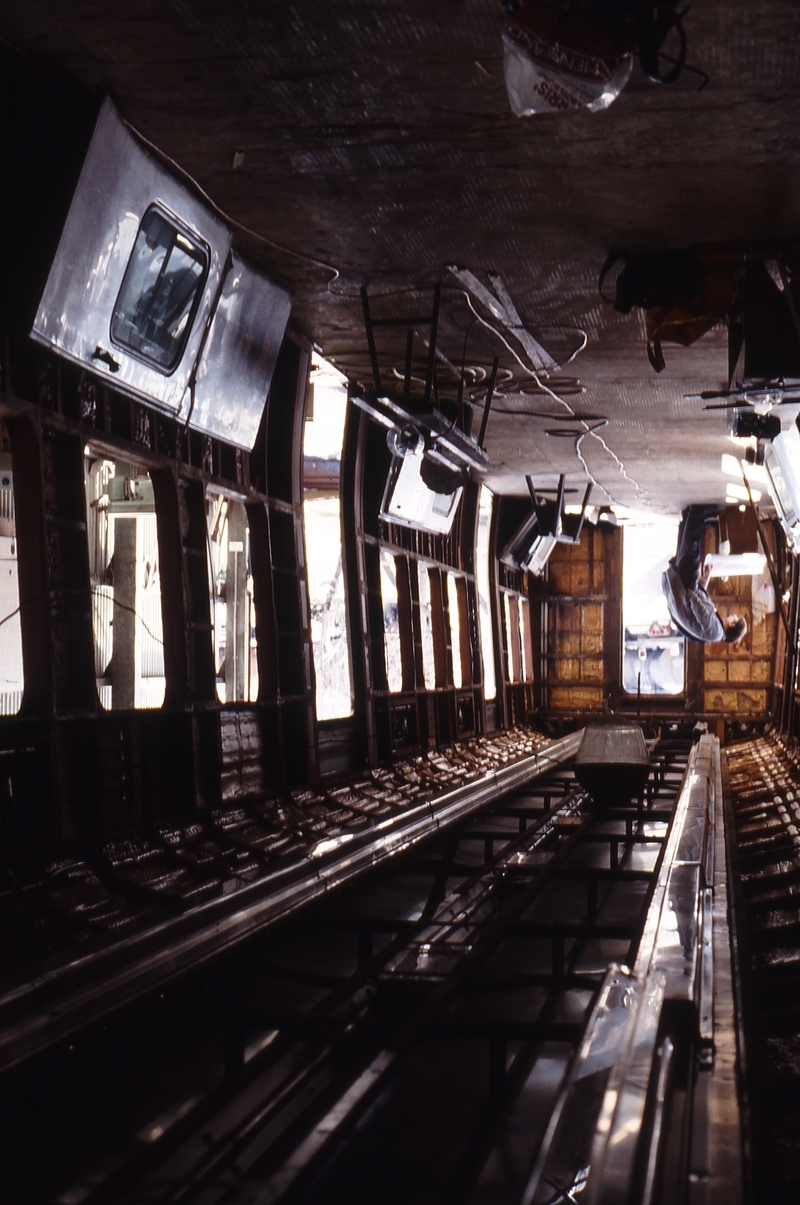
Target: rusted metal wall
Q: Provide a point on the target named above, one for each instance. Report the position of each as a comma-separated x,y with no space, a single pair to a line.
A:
582,605
581,602
737,680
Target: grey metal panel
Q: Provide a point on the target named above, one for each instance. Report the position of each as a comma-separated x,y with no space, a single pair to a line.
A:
235,355
117,185
239,358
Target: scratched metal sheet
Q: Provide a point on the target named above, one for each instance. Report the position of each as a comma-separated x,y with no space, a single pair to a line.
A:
239,357
235,330
118,184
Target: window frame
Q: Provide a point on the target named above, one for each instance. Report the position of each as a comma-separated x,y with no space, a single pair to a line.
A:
626,694
178,228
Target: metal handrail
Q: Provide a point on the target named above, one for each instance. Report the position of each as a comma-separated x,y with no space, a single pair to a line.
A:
649,1029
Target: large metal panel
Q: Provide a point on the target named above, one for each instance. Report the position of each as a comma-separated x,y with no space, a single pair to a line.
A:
225,337
239,358
118,184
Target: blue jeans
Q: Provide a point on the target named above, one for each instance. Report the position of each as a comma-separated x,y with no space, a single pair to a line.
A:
690,543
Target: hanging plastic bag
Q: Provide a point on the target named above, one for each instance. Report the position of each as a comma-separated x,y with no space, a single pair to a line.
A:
557,60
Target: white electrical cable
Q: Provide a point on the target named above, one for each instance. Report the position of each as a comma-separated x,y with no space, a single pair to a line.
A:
335,274
562,402
262,238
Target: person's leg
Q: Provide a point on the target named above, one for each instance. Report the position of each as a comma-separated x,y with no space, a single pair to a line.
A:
690,543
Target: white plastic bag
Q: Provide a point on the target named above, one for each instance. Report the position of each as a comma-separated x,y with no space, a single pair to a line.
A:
556,61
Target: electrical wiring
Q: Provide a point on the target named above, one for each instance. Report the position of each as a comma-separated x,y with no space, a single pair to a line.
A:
95,590
336,274
561,402
566,386
248,230
564,418
10,615
578,350
124,607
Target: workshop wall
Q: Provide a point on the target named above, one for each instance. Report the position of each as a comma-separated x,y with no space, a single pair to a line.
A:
582,608
739,680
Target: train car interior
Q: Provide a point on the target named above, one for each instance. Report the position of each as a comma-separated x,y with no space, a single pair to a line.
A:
400,602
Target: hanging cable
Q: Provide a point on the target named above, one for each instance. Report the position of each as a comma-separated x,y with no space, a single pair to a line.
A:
562,402
248,230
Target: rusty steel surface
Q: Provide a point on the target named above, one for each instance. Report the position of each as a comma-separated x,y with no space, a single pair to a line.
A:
373,144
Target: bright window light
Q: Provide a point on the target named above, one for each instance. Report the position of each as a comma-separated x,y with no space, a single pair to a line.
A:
391,626
484,594
426,623
232,607
510,642
455,630
125,582
739,492
323,433
653,649
732,467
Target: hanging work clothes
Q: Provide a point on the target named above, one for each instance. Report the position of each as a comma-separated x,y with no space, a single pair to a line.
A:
692,611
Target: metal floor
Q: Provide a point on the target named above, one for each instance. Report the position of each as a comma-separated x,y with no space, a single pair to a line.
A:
409,1040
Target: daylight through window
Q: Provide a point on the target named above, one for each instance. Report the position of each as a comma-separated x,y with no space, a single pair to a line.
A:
484,595
653,657
232,608
426,625
125,582
391,626
322,453
160,291
455,629
11,675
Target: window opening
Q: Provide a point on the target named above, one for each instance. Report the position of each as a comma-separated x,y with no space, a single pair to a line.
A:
323,433
511,639
455,630
233,612
125,582
160,292
484,594
525,638
11,670
391,626
653,648
426,626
